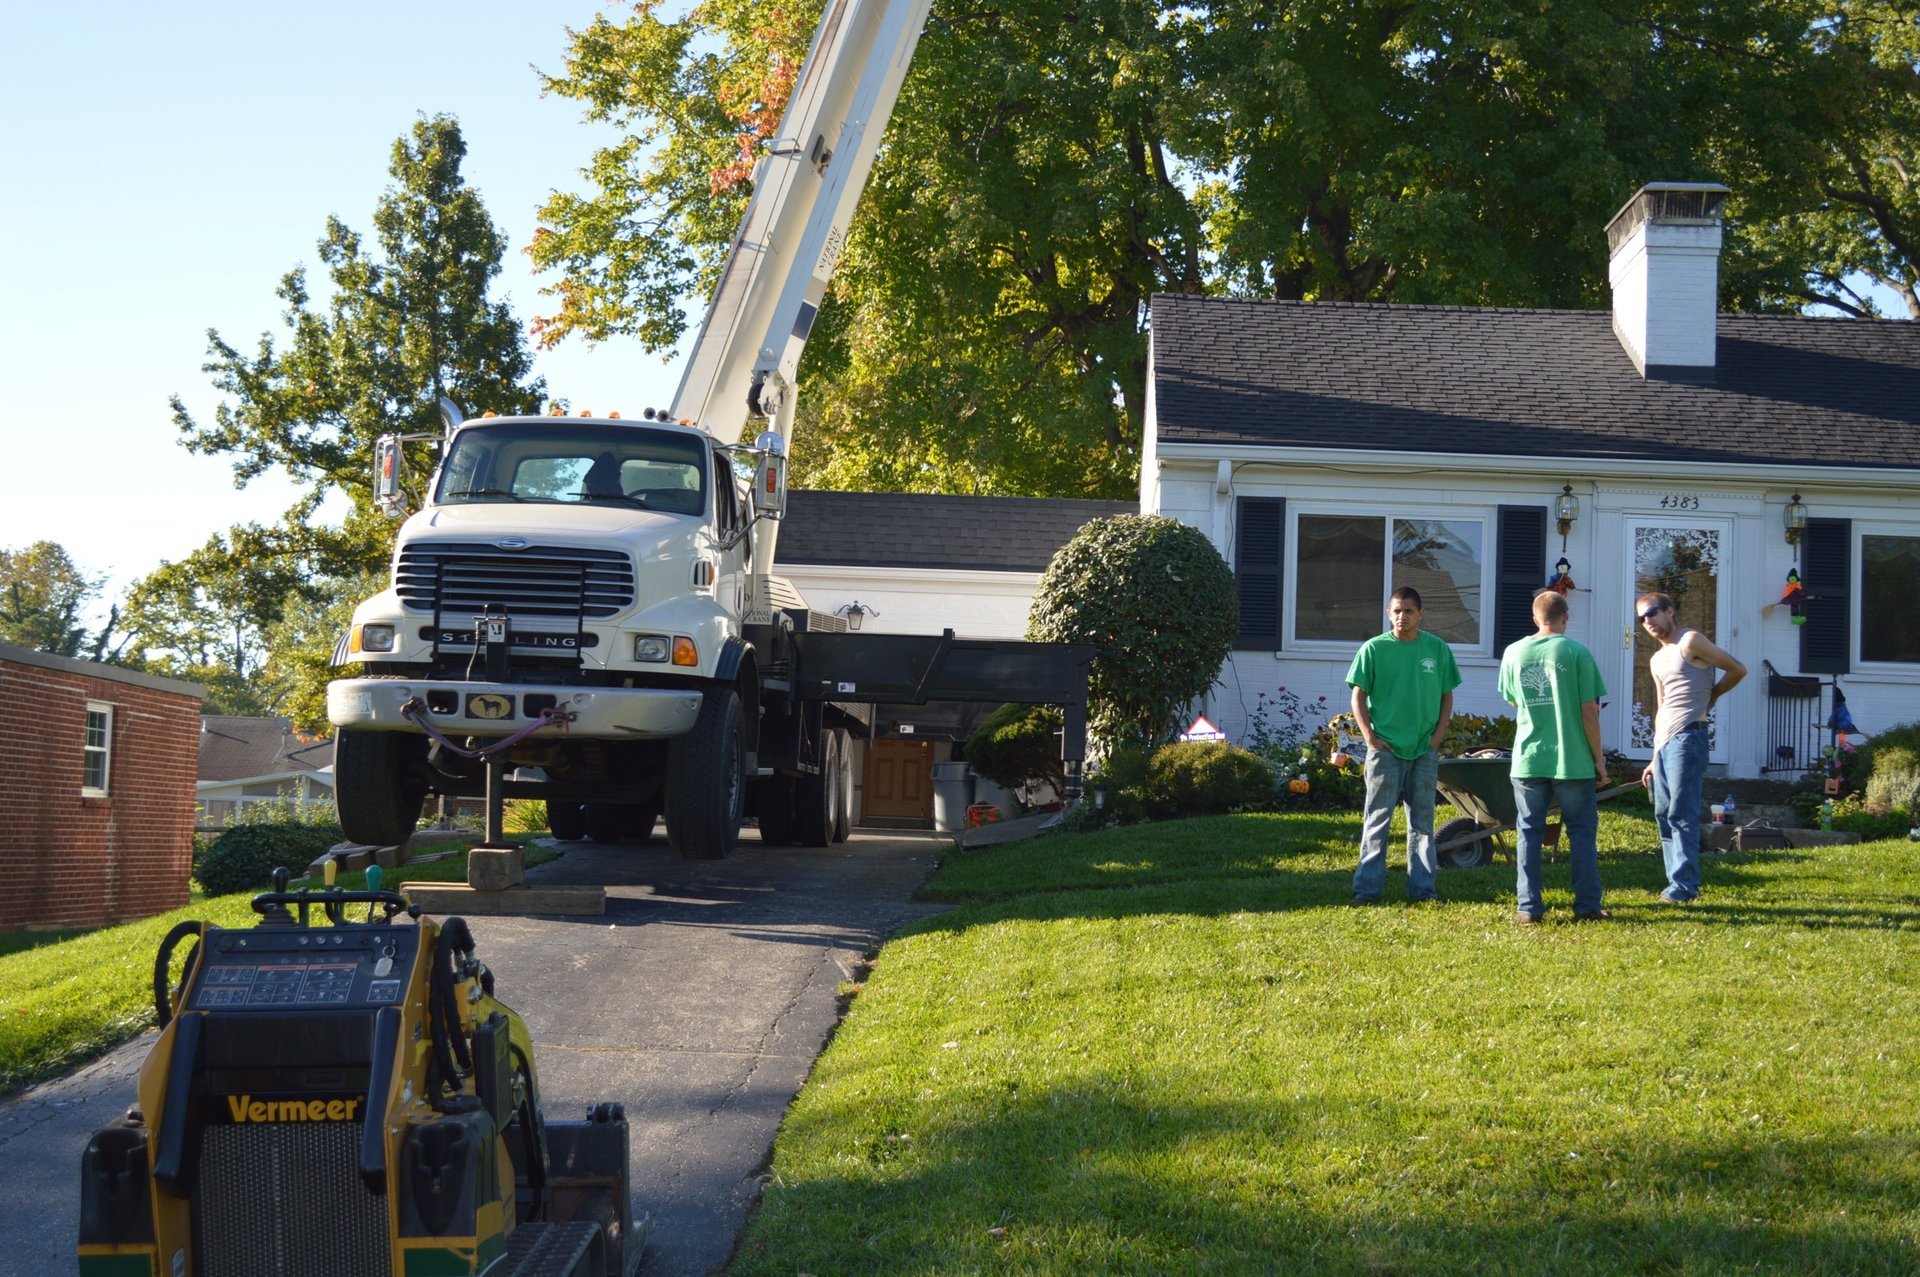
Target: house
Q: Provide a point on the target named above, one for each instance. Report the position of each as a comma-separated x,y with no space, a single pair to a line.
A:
914,563
96,791
258,760
1335,451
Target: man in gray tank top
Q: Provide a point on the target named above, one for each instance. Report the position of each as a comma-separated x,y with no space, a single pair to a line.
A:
1683,681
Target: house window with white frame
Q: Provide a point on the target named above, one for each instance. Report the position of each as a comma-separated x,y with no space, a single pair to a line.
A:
1346,565
97,753
1889,571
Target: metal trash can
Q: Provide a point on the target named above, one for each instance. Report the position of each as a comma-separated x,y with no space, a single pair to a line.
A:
952,792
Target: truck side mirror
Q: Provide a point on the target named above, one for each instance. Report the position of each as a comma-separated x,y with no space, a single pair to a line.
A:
388,465
770,476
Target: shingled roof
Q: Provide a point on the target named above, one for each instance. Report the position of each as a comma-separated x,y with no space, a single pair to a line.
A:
1442,379
235,748
920,530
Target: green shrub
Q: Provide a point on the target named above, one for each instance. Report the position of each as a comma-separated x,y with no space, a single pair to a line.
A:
1199,778
1852,814
1122,777
523,816
1477,731
1857,764
245,856
1016,746
1158,603
1894,780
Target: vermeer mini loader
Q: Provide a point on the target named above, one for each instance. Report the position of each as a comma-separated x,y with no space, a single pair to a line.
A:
332,1097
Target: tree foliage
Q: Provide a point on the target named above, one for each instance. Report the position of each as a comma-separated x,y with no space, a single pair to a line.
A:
1050,166
43,594
1158,601
405,320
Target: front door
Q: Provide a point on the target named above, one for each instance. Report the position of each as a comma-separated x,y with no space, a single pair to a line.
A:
1686,559
899,781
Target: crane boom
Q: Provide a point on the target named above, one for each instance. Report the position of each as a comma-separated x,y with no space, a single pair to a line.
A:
805,190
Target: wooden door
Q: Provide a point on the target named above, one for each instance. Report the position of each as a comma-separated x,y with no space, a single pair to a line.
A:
899,781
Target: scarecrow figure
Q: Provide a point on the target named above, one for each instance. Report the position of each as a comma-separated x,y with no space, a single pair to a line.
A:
1562,580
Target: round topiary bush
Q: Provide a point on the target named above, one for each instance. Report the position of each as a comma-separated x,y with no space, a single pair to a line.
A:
244,857
1158,601
1200,778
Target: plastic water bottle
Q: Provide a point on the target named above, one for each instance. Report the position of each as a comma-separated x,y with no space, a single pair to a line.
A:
1826,814
1729,806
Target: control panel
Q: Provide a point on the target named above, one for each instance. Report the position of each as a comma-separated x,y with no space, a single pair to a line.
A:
275,969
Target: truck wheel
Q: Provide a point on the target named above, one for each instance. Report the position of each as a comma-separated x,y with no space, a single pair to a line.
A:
843,775
707,781
606,822
816,805
377,788
638,820
773,805
566,821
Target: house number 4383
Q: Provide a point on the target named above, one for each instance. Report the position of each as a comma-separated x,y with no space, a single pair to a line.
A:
1676,501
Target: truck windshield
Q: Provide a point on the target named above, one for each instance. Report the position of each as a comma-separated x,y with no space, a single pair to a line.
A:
568,463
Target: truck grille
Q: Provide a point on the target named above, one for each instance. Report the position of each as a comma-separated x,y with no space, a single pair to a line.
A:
541,580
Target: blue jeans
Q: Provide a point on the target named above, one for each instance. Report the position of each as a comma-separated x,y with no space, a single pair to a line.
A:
1679,775
1392,780
1580,818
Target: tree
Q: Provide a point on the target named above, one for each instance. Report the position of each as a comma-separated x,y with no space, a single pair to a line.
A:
1051,166
42,596
402,325
1158,601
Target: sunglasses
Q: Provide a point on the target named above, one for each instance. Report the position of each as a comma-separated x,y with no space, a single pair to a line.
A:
1652,612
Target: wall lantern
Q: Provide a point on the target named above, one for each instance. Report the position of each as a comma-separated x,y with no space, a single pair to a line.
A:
856,614
1566,508
1796,520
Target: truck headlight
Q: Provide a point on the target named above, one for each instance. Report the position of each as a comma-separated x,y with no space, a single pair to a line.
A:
376,638
649,647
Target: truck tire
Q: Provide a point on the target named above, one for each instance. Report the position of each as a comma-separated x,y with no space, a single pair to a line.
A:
773,806
817,796
638,820
843,828
377,788
606,822
707,780
566,821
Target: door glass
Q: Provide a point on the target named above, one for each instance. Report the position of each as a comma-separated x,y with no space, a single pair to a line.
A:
1684,564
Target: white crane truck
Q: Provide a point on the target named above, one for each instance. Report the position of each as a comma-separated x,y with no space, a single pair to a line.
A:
585,610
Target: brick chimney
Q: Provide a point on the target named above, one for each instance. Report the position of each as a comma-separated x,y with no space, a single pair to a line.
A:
1664,264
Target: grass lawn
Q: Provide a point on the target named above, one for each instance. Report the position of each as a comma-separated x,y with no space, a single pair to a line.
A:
68,996
1178,1049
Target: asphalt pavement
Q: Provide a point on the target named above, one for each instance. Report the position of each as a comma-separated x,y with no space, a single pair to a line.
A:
699,1001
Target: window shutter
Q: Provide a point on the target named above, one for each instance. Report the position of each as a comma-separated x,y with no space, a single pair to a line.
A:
1259,564
1520,569
1826,574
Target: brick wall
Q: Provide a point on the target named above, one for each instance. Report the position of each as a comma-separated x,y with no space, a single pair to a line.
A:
73,860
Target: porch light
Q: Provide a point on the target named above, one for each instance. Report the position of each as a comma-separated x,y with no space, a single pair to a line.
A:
1566,508
855,614
1796,520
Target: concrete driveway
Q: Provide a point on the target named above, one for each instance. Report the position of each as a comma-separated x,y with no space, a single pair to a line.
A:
699,1001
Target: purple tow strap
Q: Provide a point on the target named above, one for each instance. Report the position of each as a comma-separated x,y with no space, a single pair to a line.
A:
415,712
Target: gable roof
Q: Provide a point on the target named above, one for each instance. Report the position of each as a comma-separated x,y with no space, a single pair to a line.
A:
925,530
235,748
1787,389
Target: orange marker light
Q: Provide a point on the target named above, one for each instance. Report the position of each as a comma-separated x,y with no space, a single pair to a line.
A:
683,653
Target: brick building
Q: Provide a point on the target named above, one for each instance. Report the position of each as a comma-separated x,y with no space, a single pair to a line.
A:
97,770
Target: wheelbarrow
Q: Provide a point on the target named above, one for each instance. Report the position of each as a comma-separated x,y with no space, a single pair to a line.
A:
1481,785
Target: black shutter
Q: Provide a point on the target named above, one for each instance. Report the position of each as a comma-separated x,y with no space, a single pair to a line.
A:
1259,563
1826,574
1520,570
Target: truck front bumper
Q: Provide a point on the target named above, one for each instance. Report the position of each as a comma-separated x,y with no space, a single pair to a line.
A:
501,709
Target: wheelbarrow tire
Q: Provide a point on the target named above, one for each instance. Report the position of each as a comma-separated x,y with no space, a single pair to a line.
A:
1469,855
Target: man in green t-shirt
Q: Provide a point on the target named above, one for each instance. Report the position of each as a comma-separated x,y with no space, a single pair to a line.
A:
1554,684
1403,684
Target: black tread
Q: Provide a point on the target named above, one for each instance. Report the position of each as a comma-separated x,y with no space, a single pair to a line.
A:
375,788
566,821
706,781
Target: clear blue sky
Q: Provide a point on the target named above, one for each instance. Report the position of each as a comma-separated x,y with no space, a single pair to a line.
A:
164,165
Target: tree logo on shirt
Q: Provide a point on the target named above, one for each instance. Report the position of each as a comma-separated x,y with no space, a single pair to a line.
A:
1428,664
1537,681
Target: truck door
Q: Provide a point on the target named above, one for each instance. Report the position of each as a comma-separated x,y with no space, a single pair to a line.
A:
729,518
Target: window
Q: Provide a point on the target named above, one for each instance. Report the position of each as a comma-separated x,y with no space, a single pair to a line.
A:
653,469
98,751
1346,567
1890,577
